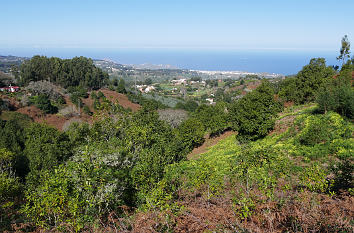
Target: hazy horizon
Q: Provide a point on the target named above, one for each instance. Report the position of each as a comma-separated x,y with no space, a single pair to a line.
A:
271,61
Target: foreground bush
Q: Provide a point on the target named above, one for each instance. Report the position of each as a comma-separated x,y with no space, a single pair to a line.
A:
79,192
10,186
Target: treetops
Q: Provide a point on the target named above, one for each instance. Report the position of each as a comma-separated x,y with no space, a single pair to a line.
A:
78,71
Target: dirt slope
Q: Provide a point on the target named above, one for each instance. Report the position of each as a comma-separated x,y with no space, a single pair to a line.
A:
122,99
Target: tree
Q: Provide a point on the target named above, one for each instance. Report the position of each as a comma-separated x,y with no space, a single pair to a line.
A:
115,82
121,86
45,147
196,79
78,71
189,106
344,50
213,118
304,87
337,94
253,115
190,134
43,103
94,183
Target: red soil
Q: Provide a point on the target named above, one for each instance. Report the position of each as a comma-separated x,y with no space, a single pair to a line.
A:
59,121
54,120
122,99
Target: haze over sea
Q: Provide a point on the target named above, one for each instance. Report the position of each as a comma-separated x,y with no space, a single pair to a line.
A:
282,61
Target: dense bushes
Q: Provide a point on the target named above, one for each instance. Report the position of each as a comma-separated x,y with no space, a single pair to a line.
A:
253,116
42,102
116,162
190,134
79,71
321,129
92,184
10,186
264,172
45,147
121,87
213,118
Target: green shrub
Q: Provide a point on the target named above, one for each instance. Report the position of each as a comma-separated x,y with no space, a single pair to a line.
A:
315,129
100,94
43,103
214,118
314,178
343,171
45,147
92,184
121,87
10,186
253,116
190,134
189,106
87,110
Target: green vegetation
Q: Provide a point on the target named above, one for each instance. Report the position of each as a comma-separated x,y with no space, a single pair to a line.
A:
43,103
254,115
79,71
121,86
213,118
337,94
304,87
267,170
126,166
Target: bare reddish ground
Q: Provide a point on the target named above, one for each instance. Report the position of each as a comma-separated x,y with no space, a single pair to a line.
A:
236,88
288,104
121,98
54,120
253,85
208,143
58,121
13,102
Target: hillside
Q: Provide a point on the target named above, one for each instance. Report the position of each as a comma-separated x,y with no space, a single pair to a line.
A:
60,121
280,183
271,156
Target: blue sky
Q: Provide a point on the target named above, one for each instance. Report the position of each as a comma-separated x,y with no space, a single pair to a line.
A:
251,24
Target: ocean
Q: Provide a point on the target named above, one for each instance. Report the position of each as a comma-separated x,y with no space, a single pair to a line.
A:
284,62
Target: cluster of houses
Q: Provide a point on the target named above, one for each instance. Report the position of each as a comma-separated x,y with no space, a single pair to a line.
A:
10,89
185,81
145,88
